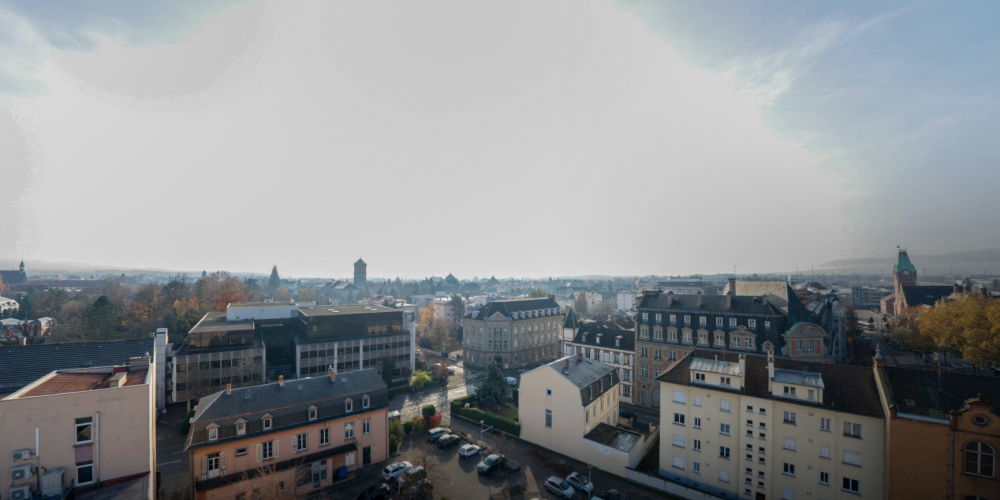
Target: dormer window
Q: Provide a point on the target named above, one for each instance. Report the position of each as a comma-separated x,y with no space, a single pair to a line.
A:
700,377
313,413
241,427
213,432
365,401
348,405
789,391
724,381
266,422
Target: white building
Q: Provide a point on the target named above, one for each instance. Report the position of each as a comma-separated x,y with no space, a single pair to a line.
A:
626,300
598,342
8,305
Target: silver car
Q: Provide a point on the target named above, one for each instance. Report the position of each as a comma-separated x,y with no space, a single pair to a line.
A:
559,487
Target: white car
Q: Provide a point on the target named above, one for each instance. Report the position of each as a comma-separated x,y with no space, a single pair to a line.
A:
392,471
416,472
559,487
468,451
580,482
511,381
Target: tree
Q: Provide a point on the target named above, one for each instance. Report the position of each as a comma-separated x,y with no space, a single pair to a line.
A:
428,411
493,390
969,325
457,307
274,281
537,293
388,367
2,286
307,294
102,319
581,303
420,379
906,333
422,488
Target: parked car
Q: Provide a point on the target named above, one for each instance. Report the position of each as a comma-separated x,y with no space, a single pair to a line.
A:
559,487
468,451
437,432
448,441
511,381
392,471
611,495
451,370
628,414
410,475
489,463
375,492
580,482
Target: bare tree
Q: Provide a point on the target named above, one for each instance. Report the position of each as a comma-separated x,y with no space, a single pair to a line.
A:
421,486
266,482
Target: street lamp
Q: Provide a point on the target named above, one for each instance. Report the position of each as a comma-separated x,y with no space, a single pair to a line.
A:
590,481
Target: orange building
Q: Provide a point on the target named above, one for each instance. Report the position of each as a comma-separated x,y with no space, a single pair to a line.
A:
301,434
943,433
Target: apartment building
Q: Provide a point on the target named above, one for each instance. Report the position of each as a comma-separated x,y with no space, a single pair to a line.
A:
514,333
570,406
79,430
943,433
304,432
353,338
749,426
599,342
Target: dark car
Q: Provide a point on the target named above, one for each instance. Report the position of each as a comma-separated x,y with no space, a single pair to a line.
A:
627,414
489,463
377,491
448,441
611,495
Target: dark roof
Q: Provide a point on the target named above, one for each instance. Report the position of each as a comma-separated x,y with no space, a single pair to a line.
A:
216,322
593,378
570,321
920,387
925,295
23,365
507,308
13,277
617,438
288,405
359,261
689,302
588,333
849,389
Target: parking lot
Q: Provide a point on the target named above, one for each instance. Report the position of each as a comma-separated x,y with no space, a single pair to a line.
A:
456,478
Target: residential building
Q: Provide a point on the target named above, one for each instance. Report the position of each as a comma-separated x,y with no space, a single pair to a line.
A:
752,426
867,297
626,300
8,305
443,309
514,333
302,431
671,325
943,433
599,342
78,429
570,406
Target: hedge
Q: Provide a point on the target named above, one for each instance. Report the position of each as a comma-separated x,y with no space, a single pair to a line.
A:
501,423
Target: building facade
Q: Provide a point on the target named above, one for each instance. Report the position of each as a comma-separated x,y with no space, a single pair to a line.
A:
360,274
301,432
598,342
352,338
514,333
750,426
80,428
866,297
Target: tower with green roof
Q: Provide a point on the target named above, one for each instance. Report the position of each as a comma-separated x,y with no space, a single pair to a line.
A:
904,273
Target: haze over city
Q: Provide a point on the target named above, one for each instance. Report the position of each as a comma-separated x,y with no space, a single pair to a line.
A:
509,139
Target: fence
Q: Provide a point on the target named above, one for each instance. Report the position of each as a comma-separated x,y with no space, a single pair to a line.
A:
661,484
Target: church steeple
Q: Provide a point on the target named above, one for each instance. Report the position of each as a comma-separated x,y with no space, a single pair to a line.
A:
22,267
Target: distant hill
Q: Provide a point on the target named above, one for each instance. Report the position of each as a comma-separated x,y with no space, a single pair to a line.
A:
969,262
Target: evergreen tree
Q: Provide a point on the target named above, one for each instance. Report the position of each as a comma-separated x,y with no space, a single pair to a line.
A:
387,368
493,390
581,303
457,306
274,281
102,317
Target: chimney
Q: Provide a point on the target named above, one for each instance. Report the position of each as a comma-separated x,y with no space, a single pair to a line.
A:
879,360
552,296
333,374
770,370
956,288
743,368
699,299
229,388
670,298
579,356
281,380
567,361
731,289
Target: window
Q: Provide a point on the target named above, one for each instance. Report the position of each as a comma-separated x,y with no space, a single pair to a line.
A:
720,340
789,469
548,418
673,318
657,333
679,397
366,426
703,321
824,424
724,429
700,377
267,450
267,423
687,320
824,478
678,463
313,413
732,322
241,451
658,355
84,472
83,430
789,417
301,442
723,452
725,381
241,427
324,436
697,400
852,458
824,451
678,418
724,476
548,392
672,336
658,316
697,422
760,449
724,405
213,433
760,460
789,391
851,485
678,440
645,371
696,445
749,409
852,430
752,324
644,352
348,405
696,467
348,430
979,459
789,444
645,316
787,494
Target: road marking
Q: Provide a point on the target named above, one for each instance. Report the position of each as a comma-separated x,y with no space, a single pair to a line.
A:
168,463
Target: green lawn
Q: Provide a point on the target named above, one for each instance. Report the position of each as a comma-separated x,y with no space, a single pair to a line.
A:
507,410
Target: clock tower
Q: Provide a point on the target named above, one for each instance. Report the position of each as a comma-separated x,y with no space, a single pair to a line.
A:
903,274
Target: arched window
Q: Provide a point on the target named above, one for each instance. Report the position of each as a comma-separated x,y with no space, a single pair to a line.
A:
979,459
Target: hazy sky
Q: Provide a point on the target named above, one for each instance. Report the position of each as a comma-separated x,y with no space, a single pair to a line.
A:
508,138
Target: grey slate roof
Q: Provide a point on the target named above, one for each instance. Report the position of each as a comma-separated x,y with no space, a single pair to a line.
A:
920,387
690,302
716,366
22,365
507,308
811,379
288,405
592,377
571,320
587,335
925,295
